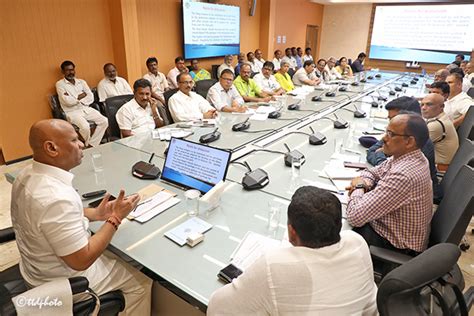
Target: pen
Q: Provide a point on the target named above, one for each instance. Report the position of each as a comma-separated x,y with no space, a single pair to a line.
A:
350,150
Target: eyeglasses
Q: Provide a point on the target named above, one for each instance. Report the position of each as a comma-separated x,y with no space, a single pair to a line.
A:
190,82
429,104
227,79
391,134
266,68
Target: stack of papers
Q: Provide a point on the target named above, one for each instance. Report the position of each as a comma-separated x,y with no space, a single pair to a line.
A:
167,133
251,248
153,204
261,113
183,230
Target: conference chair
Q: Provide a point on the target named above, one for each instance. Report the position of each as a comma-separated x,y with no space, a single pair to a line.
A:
58,113
470,92
202,86
291,72
463,156
466,129
167,95
112,105
449,222
424,286
214,71
13,284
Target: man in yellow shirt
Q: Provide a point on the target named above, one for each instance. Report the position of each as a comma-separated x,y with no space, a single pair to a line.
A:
247,87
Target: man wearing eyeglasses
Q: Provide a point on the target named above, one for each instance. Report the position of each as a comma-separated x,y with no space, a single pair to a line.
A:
186,105
391,205
223,95
266,80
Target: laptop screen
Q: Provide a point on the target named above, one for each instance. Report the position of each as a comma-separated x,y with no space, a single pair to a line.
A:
193,165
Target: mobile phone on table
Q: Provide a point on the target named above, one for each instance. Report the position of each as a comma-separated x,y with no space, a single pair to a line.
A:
96,203
229,273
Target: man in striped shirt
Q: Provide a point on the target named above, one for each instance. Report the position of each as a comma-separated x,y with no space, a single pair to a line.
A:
391,205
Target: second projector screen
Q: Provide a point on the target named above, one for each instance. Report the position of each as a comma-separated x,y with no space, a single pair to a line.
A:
210,30
426,33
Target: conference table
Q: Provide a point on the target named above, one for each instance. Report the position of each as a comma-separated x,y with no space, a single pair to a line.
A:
191,273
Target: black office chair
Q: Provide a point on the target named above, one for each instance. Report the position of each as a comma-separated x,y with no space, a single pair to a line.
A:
202,86
463,156
470,92
291,72
112,105
466,129
449,222
424,286
58,113
167,95
214,71
12,284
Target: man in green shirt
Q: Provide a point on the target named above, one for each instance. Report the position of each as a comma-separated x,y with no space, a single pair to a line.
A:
247,87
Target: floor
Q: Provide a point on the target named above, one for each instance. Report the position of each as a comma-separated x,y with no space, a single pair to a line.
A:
10,253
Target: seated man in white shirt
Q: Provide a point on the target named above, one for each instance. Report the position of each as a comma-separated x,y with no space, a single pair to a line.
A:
186,105
179,68
307,54
277,59
112,85
75,97
226,65
51,225
331,69
266,80
289,58
224,96
458,102
255,66
159,83
140,114
306,76
326,272
258,58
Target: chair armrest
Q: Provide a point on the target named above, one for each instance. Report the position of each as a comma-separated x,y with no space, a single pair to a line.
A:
469,297
389,256
7,234
78,284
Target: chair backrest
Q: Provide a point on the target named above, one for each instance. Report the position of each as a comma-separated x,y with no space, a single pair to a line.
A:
112,105
400,292
214,71
291,72
202,86
470,92
167,95
56,109
450,221
466,129
463,156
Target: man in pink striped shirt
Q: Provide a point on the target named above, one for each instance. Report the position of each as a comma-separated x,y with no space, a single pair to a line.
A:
391,205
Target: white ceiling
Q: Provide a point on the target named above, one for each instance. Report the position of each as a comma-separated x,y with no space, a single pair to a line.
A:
371,1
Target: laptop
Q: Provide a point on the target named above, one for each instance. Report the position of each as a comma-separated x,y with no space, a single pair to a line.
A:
195,166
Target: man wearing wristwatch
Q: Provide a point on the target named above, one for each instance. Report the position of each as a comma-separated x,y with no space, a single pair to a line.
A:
391,205
51,225
141,113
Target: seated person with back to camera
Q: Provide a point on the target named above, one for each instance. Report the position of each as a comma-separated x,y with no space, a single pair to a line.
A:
300,280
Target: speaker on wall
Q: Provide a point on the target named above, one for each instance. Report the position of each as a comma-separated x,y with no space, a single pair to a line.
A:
253,5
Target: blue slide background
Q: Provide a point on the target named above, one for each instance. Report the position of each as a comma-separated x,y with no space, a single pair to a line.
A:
178,177
201,51
407,54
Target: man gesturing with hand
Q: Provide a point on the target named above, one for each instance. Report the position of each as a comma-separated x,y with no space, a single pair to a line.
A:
51,226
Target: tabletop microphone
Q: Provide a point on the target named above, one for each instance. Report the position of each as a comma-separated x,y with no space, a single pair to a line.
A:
146,170
242,126
293,155
254,179
210,137
317,98
359,113
316,138
340,123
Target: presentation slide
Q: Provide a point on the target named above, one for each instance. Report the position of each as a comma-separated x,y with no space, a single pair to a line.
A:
424,33
210,30
194,165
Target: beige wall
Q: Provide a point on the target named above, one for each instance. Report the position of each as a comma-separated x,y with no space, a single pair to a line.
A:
345,30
